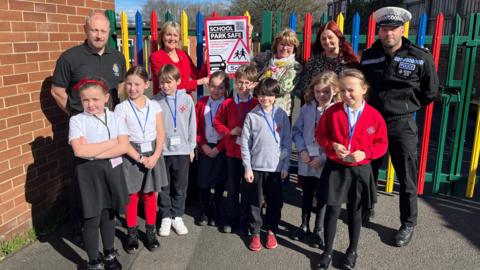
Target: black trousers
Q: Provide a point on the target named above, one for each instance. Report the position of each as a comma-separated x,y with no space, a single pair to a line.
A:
231,210
210,201
265,186
402,146
106,222
309,186
172,198
354,225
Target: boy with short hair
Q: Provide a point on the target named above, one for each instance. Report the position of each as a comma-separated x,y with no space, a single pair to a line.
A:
228,123
265,147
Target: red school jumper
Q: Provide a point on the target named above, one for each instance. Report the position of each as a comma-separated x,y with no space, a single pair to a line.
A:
370,133
229,116
188,71
201,136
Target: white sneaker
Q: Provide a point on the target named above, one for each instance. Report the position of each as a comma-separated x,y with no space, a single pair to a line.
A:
179,226
165,227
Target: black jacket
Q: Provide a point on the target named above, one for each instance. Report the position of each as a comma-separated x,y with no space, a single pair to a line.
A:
401,84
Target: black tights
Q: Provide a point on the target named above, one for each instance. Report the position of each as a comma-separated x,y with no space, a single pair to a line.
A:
106,222
309,186
354,226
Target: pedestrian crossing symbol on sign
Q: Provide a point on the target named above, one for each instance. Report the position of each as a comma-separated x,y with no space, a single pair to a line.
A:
239,54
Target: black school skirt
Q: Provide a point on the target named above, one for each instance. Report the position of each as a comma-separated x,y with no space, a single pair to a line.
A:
100,186
344,184
211,171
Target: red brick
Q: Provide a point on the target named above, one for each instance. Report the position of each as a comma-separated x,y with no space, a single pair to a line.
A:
48,8
19,229
76,19
5,185
3,167
8,15
23,27
21,5
20,99
57,18
26,217
25,68
37,115
95,4
48,46
15,79
21,160
9,215
57,1
50,65
29,127
37,37
43,132
69,44
4,207
12,59
108,6
35,96
14,36
6,227
19,140
25,47
5,27
34,17
8,91
68,28
40,75
78,3
29,87
62,9
6,48
4,5
84,11
9,112
77,36
37,57
10,153
47,27
8,175
18,120
55,55
59,37
3,145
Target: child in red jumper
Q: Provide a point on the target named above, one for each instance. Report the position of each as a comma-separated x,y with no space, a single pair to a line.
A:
211,145
228,122
352,133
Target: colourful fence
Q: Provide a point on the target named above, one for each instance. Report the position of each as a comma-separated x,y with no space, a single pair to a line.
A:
456,94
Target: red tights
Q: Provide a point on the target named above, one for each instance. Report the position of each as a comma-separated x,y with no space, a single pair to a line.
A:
149,205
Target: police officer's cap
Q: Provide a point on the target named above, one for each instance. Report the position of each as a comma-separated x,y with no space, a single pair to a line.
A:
392,16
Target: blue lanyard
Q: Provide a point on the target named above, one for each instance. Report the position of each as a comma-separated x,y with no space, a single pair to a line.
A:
240,112
211,111
138,119
351,129
174,112
271,127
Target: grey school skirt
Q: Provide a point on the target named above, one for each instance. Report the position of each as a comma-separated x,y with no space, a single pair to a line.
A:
141,179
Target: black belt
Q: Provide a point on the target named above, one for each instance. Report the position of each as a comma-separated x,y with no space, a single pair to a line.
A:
398,117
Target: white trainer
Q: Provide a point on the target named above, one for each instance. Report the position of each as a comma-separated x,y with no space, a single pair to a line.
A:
179,226
165,227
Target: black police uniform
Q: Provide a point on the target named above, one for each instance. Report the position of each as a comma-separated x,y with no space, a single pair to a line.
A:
79,62
400,86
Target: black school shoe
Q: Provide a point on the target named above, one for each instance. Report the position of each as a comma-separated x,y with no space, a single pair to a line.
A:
95,265
132,240
324,262
202,220
317,241
110,260
300,233
404,235
151,242
350,260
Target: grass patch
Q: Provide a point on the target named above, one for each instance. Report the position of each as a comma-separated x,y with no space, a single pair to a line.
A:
8,247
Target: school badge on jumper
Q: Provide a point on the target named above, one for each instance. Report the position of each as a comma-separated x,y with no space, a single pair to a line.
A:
278,129
182,108
116,70
370,130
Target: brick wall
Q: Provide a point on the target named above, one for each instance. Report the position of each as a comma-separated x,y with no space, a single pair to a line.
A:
34,155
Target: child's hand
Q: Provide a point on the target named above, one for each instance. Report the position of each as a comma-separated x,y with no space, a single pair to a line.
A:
304,157
214,152
206,149
150,162
340,150
248,176
356,156
316,162
237,131
284,174
192,156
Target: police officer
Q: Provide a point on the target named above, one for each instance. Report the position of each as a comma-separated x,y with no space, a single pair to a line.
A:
92,58
403,79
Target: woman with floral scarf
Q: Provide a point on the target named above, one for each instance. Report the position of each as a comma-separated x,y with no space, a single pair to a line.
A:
280,64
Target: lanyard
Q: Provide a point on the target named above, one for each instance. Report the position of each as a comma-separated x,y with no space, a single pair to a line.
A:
174,112
351,128
240,112
211,111
138,119
271,127
105,123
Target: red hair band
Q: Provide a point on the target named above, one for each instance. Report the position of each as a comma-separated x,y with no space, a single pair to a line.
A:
84,81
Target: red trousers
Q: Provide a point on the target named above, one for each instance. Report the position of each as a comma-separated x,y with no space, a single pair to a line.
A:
149,205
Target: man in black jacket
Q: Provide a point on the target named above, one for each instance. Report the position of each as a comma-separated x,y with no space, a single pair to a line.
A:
402,80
